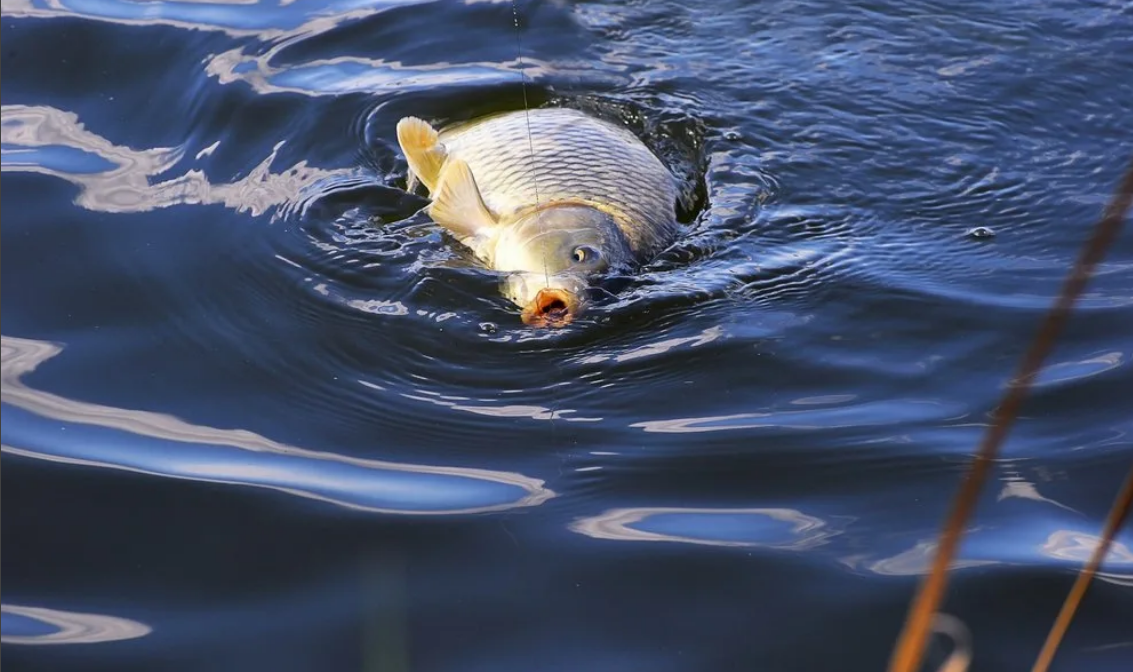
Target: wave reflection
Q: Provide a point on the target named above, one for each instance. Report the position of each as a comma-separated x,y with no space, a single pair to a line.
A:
1016,543
783,529
113,178
1074,371
856,415
353,74
39,625
120,438
650,349
1076,548
270,20
486,407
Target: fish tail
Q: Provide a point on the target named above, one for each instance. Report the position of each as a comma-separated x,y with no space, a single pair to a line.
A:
423,151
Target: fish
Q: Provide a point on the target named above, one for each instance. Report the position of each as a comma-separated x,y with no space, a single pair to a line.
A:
551,198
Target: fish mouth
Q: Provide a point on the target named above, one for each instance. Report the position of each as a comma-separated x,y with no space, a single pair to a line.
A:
551,308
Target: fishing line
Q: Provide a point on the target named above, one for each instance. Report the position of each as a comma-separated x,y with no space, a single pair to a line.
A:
531,152
909,651
523,88
527,117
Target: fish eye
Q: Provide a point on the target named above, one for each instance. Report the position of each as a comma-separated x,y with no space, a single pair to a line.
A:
583,254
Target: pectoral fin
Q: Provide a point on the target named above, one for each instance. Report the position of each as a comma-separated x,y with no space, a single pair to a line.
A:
423,151
457,204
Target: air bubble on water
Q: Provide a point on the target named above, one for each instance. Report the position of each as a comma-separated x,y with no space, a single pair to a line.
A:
732,136
489,328
980,232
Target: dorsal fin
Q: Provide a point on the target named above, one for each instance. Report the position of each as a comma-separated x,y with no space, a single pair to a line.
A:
423,151
457,204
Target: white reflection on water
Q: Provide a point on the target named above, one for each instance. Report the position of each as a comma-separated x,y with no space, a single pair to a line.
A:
282,25
1015,486
865,414
1077,547
1007,544
916,560
350,74
651,349
778,528
351,482
486,407
72,627
36,137
1073,371
269,20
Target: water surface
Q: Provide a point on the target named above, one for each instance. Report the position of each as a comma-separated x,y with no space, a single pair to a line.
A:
260,413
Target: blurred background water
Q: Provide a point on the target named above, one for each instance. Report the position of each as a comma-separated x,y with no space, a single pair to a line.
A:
260,413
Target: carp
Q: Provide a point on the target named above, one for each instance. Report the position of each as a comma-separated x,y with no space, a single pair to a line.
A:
551,198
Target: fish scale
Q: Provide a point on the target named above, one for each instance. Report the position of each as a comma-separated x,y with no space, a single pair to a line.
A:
520,159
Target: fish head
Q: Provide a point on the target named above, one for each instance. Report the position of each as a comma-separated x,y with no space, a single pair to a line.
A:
551,257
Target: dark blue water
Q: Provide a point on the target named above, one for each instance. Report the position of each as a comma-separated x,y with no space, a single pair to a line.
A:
259,413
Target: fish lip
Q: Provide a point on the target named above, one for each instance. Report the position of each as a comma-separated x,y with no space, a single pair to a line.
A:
552,307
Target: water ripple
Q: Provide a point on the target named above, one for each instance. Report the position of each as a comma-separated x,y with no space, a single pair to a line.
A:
118,438
21,624
112,178
270,20
1015,542
775,528
359,75
901,412
240,253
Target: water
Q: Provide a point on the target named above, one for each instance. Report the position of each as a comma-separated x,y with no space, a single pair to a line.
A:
259,413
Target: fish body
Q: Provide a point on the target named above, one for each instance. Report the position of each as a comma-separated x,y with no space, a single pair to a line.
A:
551,197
